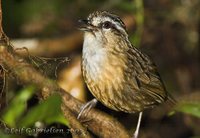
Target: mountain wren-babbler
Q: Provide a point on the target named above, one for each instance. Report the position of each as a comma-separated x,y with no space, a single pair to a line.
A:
118,75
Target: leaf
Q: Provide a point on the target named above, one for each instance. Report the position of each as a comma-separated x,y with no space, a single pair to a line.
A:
189,104
190,108
7,134
17,106
49,111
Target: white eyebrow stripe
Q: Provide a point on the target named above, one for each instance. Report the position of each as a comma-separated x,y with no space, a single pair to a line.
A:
117,24
97,20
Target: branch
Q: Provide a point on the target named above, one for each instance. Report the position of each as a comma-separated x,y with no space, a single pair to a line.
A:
99,123
2,72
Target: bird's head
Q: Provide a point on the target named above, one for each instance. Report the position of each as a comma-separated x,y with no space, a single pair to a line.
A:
103,26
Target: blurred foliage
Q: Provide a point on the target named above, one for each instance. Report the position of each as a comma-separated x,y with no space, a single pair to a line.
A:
189,104
139,16
3,135
49,111
17,107
189,108
17,114
29,13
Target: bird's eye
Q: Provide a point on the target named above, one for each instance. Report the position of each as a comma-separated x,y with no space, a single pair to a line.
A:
107,25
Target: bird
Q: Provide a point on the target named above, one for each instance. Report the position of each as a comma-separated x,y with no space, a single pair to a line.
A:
117,73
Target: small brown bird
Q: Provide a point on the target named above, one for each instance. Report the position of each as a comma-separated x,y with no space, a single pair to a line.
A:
118,75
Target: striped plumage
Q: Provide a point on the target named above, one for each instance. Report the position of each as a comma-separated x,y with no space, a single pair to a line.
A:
116,73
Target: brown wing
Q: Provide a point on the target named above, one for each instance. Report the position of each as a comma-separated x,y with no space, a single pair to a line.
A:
148,88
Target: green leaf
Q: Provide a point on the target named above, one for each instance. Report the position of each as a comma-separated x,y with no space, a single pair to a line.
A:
49,111
189,108
17,106
3,135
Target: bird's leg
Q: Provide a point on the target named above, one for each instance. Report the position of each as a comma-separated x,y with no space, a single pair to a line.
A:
138,126
86,107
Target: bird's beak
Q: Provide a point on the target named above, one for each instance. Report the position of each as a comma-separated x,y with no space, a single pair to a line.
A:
84,25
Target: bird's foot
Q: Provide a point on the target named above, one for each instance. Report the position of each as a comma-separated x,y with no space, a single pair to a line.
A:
87,107
138,126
